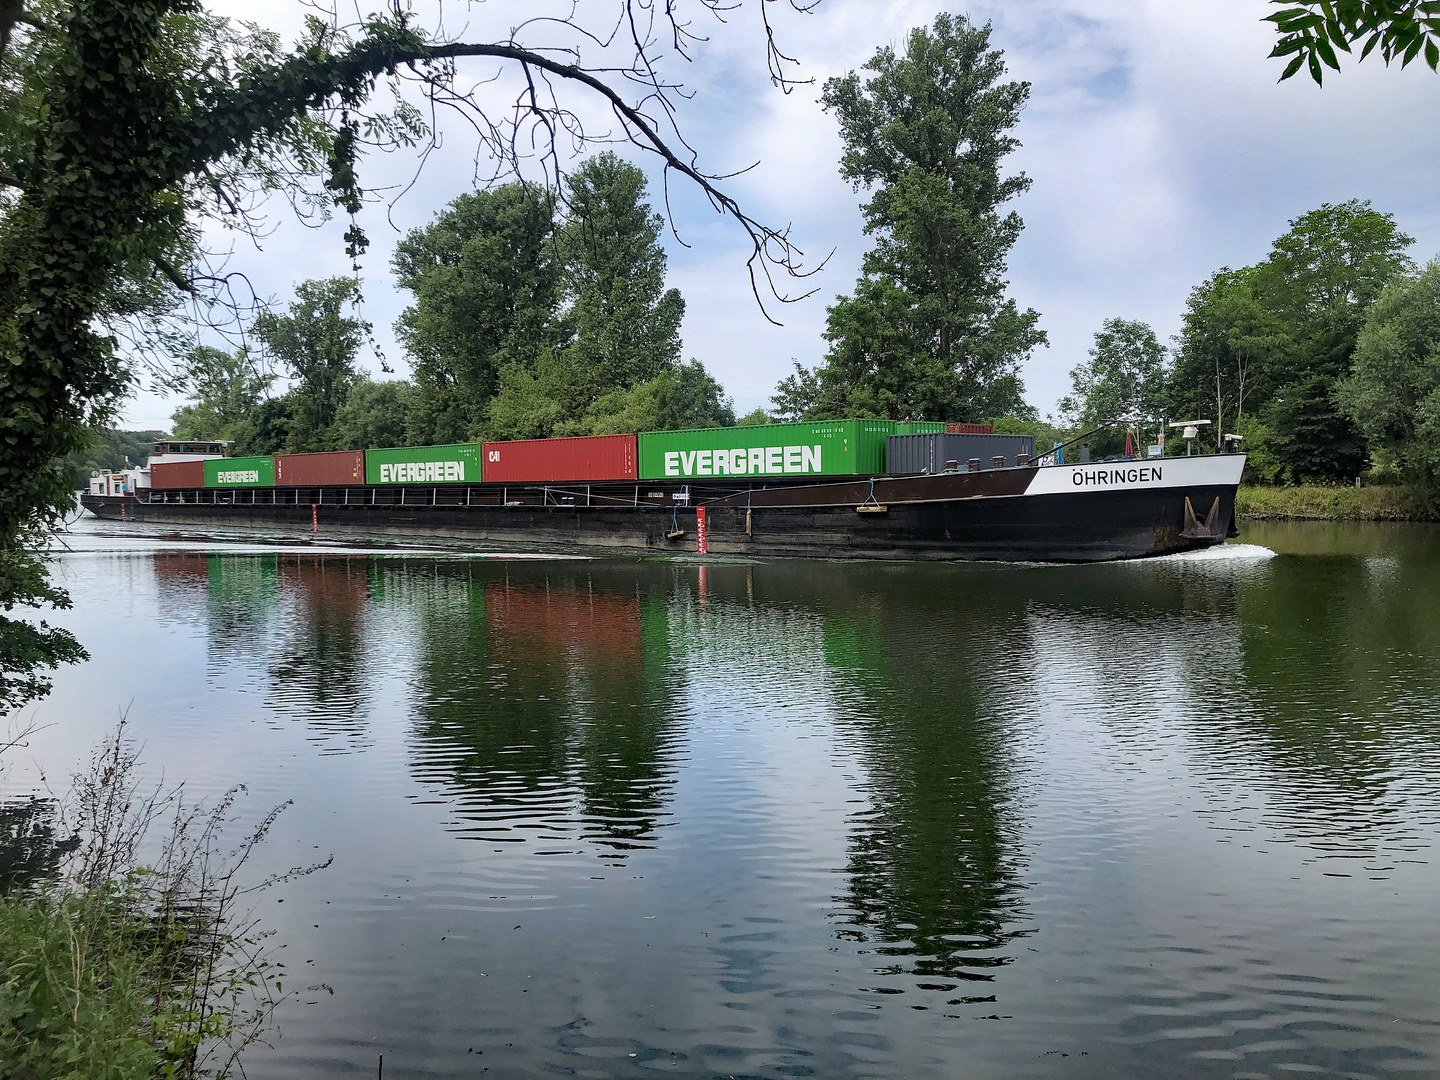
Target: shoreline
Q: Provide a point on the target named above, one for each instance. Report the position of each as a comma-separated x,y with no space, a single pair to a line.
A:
1314,502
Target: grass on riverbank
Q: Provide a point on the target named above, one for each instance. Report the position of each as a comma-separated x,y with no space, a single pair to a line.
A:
115,970
1317,503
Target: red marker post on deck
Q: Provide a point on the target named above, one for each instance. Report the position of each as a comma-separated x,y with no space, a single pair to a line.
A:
314,518
701,537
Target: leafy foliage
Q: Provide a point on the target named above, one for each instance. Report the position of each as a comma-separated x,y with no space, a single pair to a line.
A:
374,414
626,324
928,333
528,324
29,648
487,282
1394,390
317,343
225,390
114,970
1312,30
1125,377
1274,339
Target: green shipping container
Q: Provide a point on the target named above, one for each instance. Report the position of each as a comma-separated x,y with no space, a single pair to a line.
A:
233,472
458,463
818,448
919,427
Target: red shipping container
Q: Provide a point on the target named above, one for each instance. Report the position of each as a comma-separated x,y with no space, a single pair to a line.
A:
559,461
335,469
970,429
177,474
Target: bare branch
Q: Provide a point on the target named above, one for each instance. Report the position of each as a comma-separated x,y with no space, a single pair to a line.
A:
179,280
769,245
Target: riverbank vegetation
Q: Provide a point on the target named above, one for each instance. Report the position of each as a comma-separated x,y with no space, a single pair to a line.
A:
114,968
1322,359
1315,502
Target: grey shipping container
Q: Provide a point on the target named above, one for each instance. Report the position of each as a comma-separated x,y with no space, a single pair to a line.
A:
906,454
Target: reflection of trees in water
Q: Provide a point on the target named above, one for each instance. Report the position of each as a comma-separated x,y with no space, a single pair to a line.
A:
1303,687
296,622
541,698
1333,696
30,852
909,676
235,595
935,861
318,665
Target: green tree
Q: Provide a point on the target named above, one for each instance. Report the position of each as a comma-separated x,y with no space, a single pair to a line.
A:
1045,432
267,428
317,343
375,414
685,396
113,449
929,332
535,399
224,389
688,396
1125,377
1274,339
1394,390
1320,279
486,278
1229,353
626,323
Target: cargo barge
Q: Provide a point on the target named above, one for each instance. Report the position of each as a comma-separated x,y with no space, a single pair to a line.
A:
713,495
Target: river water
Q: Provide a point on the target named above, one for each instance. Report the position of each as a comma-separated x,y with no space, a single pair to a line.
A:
622,818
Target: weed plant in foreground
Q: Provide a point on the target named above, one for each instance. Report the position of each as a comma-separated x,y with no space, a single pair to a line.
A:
115,970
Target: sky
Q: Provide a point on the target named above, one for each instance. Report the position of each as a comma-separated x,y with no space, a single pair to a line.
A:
1159,145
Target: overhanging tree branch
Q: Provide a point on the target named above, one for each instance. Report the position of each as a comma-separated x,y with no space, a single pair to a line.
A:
769,245
1312,30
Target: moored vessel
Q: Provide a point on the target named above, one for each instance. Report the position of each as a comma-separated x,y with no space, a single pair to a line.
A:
1022,511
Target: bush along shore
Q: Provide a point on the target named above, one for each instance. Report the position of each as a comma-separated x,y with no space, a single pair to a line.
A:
114,969
1313,502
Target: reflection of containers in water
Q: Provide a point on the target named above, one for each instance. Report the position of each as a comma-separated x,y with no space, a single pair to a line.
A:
907,454
456,463
820,448
336,469
333,587
565,624
590,457
236,472
177,474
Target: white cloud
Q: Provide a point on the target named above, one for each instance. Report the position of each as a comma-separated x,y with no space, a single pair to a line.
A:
1159,145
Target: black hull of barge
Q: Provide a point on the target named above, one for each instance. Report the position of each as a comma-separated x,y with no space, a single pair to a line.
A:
1090,526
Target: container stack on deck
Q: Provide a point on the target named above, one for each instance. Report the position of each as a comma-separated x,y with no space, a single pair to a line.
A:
334,469
239,472
456,463
560,461
785,452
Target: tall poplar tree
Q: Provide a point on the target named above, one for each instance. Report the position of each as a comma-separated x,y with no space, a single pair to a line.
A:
487,278
929,332
626,323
